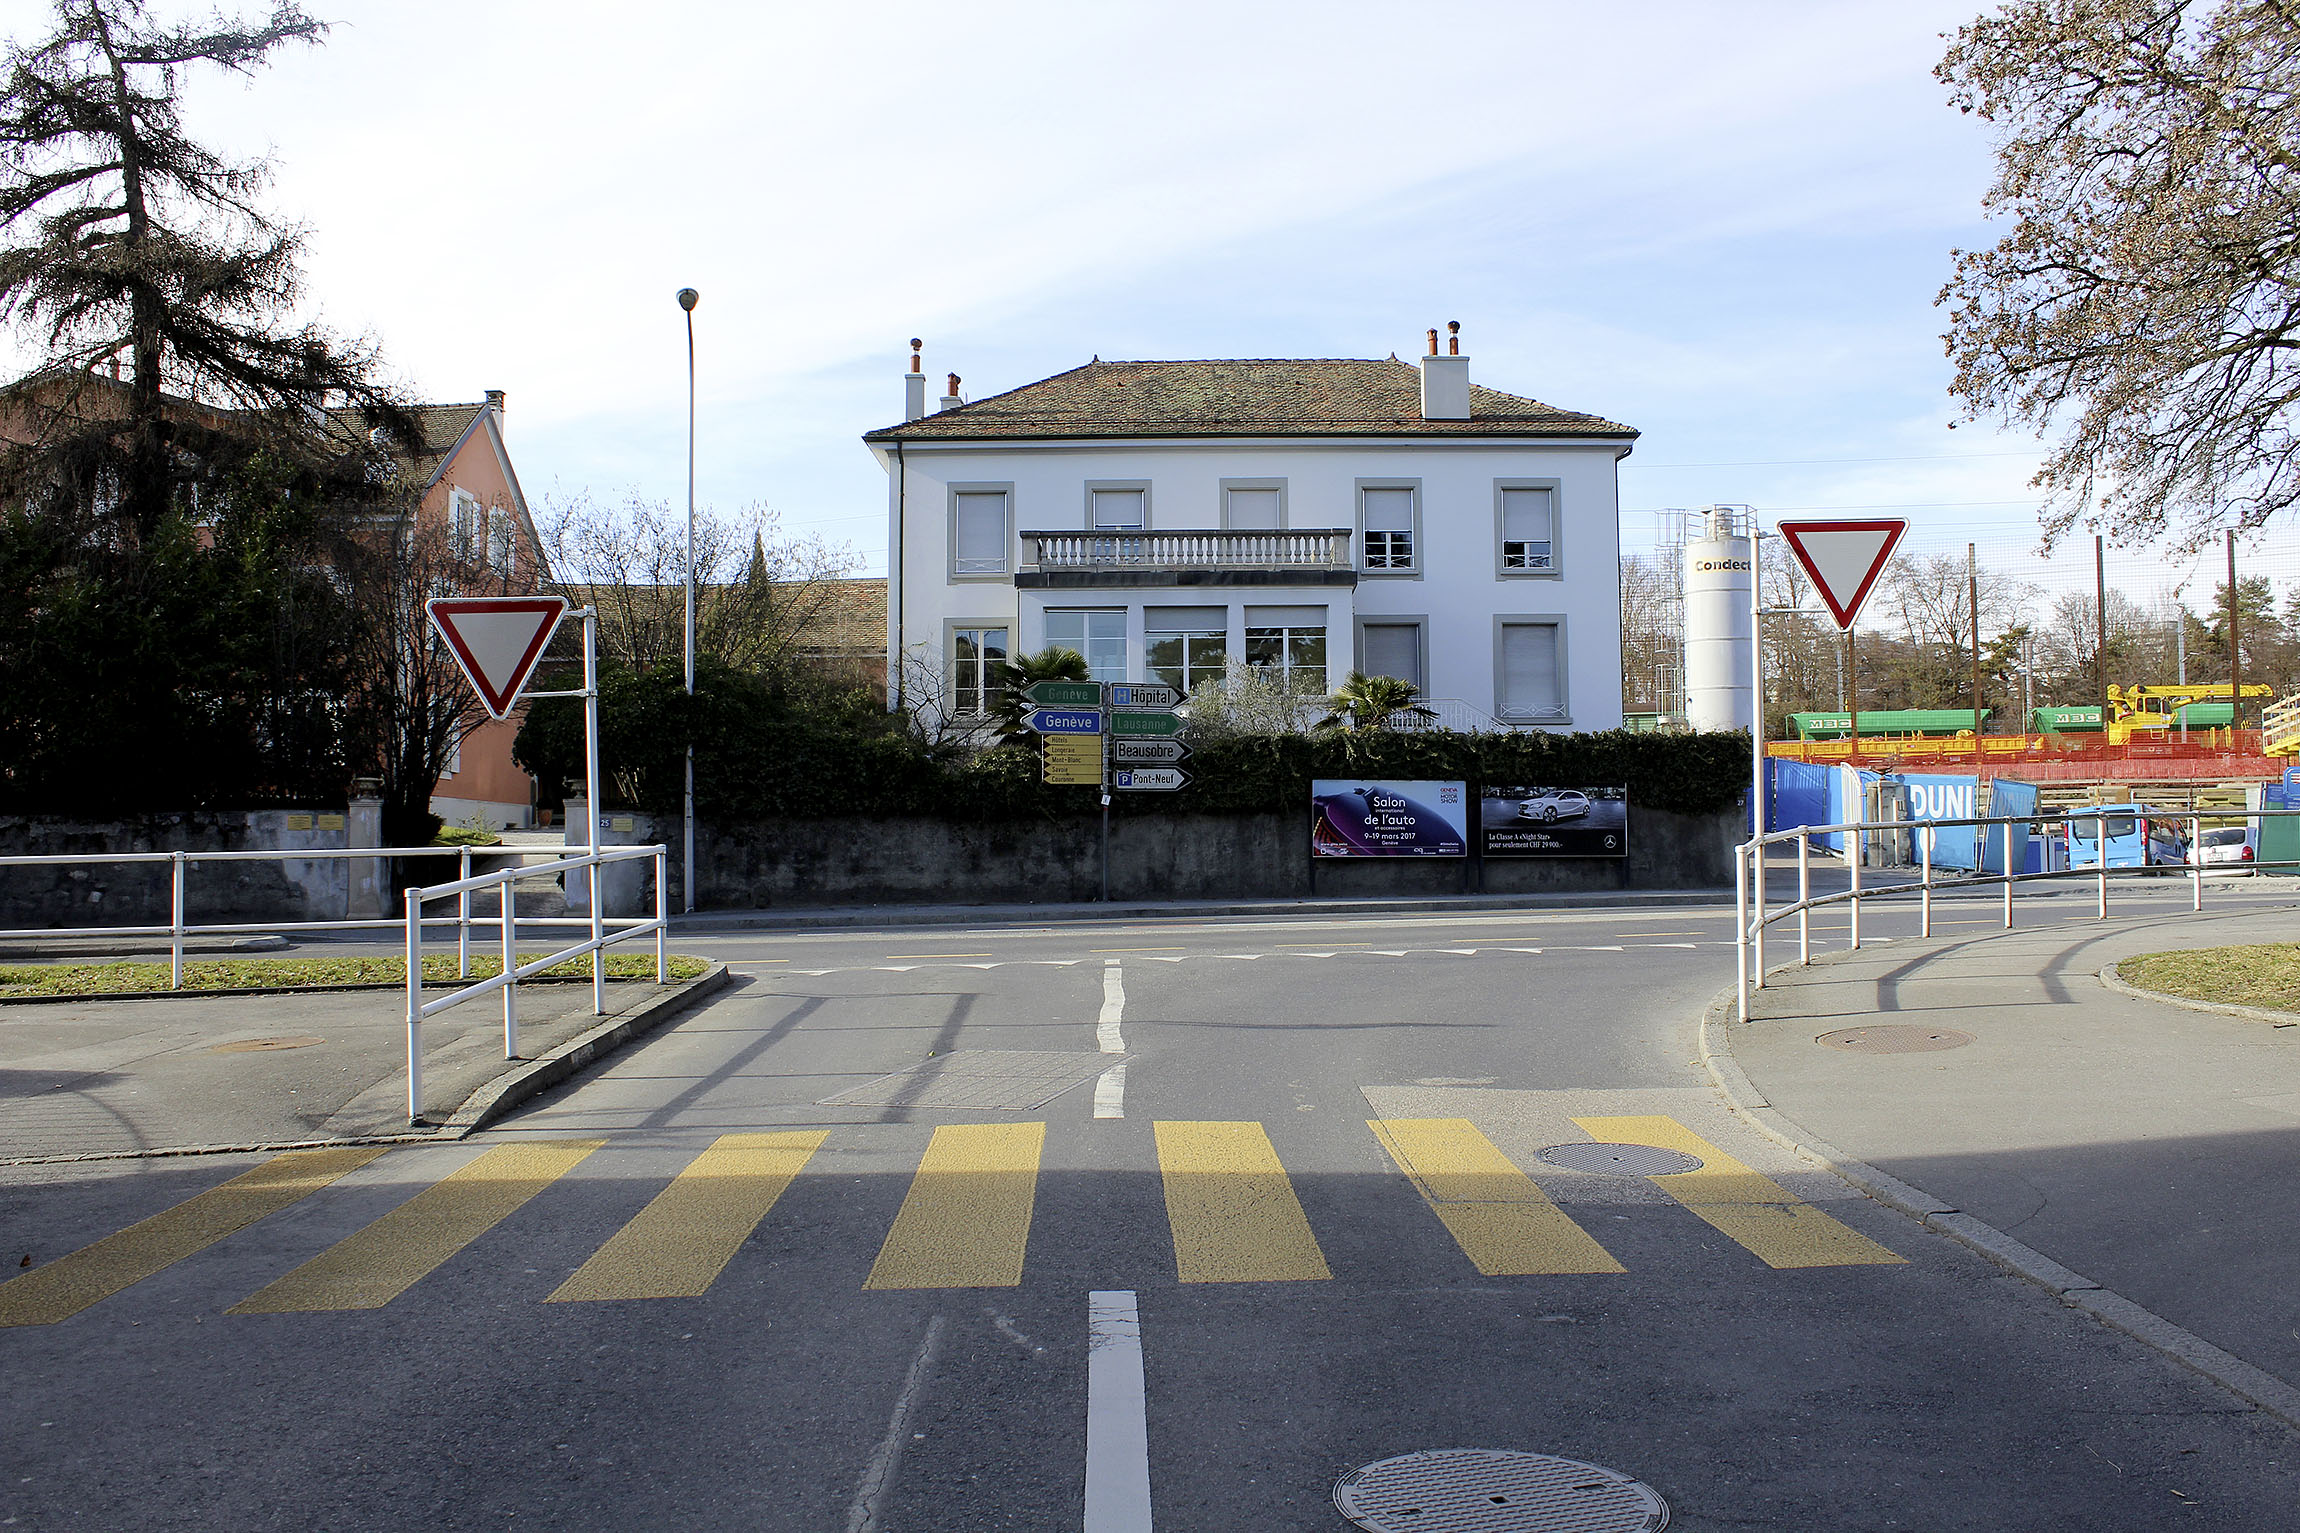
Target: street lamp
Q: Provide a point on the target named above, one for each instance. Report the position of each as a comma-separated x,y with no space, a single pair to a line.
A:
688,298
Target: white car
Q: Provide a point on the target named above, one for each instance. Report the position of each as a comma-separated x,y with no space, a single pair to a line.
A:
2225,849
1557,804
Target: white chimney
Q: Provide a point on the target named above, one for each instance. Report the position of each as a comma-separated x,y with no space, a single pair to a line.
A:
1445,380
495,403
950,400
913,386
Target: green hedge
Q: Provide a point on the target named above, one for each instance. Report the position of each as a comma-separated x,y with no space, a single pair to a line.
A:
765,753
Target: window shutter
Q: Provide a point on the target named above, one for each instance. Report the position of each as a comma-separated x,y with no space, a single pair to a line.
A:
981,533
1389,510
1117,510
1525,516
1253,511
1393,649
1529,670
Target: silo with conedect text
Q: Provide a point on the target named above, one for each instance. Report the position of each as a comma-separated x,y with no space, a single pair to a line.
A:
1719,573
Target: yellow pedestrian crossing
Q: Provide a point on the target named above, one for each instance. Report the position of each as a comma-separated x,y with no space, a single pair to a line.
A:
1231,1206
369,1269
1234,1214
1503,1223
678,1244
966,1220
1751,1209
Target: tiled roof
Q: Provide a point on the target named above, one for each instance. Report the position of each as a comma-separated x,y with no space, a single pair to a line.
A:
1314,397
443,426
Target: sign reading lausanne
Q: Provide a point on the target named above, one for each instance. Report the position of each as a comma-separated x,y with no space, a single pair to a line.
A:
1145,724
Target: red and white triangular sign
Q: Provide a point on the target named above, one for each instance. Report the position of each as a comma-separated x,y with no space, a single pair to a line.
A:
497,640
1844,559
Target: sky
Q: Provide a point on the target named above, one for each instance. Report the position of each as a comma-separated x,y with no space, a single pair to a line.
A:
1723,225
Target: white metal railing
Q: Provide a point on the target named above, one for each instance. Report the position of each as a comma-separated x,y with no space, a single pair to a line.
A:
603,933
1754,916
1325,548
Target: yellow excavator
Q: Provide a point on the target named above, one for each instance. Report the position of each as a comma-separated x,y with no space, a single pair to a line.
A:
2150,711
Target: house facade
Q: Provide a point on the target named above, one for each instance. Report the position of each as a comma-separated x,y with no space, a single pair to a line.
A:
1168,520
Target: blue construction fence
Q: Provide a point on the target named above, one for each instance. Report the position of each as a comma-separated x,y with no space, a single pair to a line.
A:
1803,793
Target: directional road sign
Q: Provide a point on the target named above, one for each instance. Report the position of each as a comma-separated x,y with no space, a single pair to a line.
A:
1140,695
1145,724
1131,752
1066,694
1844,558
1075,760
1148,780
497,640
1066,721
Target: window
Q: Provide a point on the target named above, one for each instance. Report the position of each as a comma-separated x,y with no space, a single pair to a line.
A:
978,535
1529,679
1186,645
1290,644
1387,514
466,525
1526,517
1099,636
499,540
1391,649
1253,507
975,653
1119,510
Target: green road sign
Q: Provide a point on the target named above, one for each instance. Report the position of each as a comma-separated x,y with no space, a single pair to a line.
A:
1066,694
1145,724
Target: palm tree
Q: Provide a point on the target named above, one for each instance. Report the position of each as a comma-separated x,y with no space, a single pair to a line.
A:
1374,702
1010,705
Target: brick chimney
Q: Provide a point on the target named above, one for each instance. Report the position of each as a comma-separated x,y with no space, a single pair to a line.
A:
1445,380
950,400
914,385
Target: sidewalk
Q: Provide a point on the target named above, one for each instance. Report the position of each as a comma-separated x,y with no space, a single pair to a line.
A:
2149,1150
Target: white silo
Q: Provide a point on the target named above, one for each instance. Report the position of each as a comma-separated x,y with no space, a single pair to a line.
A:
1718,580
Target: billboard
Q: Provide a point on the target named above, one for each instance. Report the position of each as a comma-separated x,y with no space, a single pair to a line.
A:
1352,817
1532,821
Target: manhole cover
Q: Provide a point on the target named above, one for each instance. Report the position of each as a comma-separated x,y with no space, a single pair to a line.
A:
1482,1490
1621,1159
259,1045
1895,1038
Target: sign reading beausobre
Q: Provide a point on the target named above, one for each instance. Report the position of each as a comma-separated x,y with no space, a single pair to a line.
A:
1520,821
1355,818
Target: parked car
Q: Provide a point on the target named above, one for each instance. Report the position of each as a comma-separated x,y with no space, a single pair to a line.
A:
1556,804
2226,850
2137,837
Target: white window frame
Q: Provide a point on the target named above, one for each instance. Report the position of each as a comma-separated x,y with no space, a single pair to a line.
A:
1504,621
1411,571
1284,511
1005,570
502,540
1418,622
463,510
952,628
1285,668
1126,486
1555,569
1125,645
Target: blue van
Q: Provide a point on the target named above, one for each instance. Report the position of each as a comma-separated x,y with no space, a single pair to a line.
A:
2137,837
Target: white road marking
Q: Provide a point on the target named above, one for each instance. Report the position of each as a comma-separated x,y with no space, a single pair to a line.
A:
1110,1093
1110,1090
1117,1417
1403,952
878,1479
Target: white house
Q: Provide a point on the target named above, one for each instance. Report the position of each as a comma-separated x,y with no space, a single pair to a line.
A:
1319,516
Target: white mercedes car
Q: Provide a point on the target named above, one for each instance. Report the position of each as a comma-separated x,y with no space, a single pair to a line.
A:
1557,804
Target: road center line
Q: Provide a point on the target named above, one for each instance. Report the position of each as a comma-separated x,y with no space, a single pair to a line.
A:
878,1479
1117,1417
1110,1090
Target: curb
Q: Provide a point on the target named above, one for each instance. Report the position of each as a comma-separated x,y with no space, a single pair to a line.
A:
491,1101
705,922
2255,1386
2122,986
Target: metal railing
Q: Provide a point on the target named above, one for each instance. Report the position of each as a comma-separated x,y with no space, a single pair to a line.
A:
1308,548
1754,915
603,933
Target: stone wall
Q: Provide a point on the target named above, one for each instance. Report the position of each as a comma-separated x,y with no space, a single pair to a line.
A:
138,893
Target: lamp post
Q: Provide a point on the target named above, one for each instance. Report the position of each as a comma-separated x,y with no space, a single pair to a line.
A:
688,298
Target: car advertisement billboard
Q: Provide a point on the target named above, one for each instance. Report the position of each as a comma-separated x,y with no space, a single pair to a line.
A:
1526,821
1352,817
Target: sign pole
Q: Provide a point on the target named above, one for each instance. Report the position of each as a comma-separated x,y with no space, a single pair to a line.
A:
591,786
1757,686
1106,739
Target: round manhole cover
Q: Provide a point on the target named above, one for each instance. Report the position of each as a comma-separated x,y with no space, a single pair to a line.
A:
264,1045
1483,1490
1621,1159
1896,1038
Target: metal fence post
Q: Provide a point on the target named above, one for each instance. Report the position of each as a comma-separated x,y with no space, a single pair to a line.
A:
1804,898
414,1007
2100,851
463,916
1757,914
176,922
1856,845
662,918
1741,926
2196,862
598,932
2008,875
1925,880
510,982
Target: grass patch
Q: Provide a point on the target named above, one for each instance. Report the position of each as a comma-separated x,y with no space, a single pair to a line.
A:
464,835
2266,976
252,973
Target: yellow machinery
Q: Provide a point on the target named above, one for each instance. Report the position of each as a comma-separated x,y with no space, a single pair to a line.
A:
2280,727
2152,710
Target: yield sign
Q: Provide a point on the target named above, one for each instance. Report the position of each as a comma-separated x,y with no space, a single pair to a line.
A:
497,640
1844,559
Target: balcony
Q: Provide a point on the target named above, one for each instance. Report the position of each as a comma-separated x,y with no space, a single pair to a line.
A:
1204,557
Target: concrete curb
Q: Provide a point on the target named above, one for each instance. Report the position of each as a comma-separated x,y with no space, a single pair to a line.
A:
705,922
2118,983
2255,1386
483,1106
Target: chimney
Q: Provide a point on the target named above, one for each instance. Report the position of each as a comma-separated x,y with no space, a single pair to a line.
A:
1445,380
495,403
914,385
950,400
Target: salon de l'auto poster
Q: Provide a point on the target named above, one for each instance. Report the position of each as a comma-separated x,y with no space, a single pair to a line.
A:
1353,817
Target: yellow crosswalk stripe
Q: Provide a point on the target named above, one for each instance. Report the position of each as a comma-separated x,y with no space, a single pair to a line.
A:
1751,1209
676,1246
373,1266
966,1220
1233,1211
69,1284
1504,1224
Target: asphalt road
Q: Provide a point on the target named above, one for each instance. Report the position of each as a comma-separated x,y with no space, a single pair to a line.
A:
685,1293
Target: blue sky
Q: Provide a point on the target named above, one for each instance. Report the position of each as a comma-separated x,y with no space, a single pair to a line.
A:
1722,224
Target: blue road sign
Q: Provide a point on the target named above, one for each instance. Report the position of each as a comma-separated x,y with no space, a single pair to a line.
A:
1066,721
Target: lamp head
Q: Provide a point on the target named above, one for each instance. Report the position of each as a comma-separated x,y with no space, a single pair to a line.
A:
688,298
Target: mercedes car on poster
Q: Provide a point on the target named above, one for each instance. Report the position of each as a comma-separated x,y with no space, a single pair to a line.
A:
1528,821
1352,817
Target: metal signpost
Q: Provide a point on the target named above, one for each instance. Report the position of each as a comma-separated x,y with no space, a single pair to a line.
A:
1118,736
